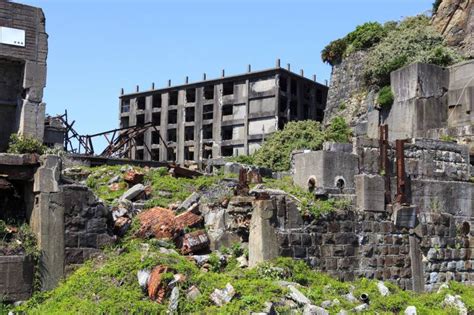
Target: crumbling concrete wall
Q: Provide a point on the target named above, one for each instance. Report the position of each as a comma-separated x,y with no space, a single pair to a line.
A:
87,224
26,77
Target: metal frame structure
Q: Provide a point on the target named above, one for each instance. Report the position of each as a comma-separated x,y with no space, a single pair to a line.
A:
121,141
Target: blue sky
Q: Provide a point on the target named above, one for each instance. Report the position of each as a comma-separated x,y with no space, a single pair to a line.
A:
97,47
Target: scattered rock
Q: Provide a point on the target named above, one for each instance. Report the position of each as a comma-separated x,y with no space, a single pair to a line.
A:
350,297
192,199
133,177
343,312
200,259
168,251
314,310
159,222
329,303
114,180
383,290
178,279
121,225
115,187
165,194
410,310
174,299
126,204
156,289
269,309
361,308
443,287
195,241
455,302
243,262
118,212
297,296
188,219
193,293
224,296
143,276
133,192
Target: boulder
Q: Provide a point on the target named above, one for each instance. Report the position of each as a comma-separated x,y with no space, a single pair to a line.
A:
192,199
174,299
133,192
193,293
143,276
297,296
314,310
133,177
410,310
224,296
383,290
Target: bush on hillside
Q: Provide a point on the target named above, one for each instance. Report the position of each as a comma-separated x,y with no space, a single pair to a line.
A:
385,97
334,51
413,40
364,36
298,135
24,144
275,151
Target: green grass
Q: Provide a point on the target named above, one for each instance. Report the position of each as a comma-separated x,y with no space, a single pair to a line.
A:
110,286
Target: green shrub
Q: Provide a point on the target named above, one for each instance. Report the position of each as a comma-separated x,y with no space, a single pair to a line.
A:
385,97
275,151
338,131
365,36
334,51
447,138
413,40
24,144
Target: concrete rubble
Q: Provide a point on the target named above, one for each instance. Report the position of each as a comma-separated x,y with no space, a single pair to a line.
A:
224,296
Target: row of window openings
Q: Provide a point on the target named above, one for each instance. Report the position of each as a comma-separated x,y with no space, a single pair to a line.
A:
306,89
189,153
228,89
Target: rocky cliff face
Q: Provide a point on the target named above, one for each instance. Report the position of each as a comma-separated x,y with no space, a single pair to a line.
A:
454,19
348,96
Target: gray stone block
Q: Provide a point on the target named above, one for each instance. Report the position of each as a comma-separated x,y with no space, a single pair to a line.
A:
370,193
16,277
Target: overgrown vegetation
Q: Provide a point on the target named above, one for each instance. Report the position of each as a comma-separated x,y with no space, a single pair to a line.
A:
23,144
413,40
308,203
392,46
165,189
297,135
109,286
385,97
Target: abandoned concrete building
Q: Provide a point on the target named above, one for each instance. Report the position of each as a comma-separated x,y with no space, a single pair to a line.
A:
228,116
23,53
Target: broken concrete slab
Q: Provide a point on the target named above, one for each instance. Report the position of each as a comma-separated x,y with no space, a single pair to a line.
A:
224,296
194,242
133,192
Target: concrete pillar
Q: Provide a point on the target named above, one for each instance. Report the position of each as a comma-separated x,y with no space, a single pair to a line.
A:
164,125
180,128
47,221
147,135
417,270
31,120
246,118
216,123
263,242
198,124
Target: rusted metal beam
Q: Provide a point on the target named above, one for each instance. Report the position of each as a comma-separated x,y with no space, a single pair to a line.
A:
401,175
384,162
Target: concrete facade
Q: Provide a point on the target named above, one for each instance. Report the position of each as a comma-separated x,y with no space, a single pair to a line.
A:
22,73
228,116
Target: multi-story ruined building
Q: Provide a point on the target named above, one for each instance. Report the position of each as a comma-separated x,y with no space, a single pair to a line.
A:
23,53
221,117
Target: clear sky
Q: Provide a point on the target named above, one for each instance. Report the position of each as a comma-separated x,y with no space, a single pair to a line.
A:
97,47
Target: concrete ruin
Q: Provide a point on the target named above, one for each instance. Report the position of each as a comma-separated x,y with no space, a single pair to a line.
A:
412,215
430,102
222,117
23,53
